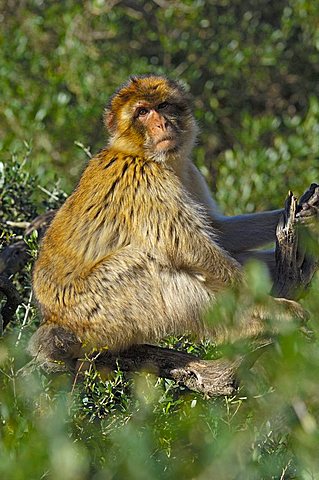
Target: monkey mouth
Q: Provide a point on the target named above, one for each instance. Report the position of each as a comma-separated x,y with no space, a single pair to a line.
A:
165,143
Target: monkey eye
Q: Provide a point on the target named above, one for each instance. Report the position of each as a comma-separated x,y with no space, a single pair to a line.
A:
141,112
162,106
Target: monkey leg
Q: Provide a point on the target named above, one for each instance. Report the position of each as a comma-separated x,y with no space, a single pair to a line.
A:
182,302
141,305
129,298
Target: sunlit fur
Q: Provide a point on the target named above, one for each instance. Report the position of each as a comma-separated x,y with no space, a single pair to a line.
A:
131,257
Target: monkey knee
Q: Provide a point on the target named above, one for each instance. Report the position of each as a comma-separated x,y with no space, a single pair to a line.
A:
54,343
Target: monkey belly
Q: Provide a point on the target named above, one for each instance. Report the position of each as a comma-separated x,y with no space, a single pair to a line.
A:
130,299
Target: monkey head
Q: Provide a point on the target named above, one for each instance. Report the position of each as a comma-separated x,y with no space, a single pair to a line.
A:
151,116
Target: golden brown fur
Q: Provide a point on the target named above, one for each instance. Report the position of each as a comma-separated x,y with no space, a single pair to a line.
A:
131,256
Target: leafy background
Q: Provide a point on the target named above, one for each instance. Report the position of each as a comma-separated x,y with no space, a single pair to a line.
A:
252,68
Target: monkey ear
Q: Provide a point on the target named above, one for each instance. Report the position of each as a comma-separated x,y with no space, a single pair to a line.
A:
109,120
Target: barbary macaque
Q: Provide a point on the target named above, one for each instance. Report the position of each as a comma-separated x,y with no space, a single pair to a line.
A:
139,250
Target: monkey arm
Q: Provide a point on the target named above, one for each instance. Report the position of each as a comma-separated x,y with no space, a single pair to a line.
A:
245,232
207,261
238,233
168,222
265,256
192,242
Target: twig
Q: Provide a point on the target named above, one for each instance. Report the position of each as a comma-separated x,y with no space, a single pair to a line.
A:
27,311
23,225
47,192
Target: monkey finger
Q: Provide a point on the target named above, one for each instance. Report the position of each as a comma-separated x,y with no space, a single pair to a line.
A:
308,194
308,205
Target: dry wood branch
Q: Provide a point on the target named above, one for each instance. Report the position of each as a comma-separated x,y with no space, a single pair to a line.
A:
209,377
13,258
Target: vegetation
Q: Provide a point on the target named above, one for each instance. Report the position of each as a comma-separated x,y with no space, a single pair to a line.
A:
252,68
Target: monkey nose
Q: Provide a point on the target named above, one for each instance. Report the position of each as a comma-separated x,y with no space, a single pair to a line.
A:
162,126
160,122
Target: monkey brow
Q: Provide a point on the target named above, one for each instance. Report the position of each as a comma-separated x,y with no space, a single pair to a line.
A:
151,98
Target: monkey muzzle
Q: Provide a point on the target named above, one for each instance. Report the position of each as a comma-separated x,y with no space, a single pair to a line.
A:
165,142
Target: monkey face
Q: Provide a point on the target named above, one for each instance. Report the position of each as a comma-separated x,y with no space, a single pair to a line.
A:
151,116
159,125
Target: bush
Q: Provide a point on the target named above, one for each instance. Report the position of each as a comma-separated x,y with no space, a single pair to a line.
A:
252,68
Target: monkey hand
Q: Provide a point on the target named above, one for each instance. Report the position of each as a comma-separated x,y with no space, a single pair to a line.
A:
275,315
293,310
283,314
308,205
